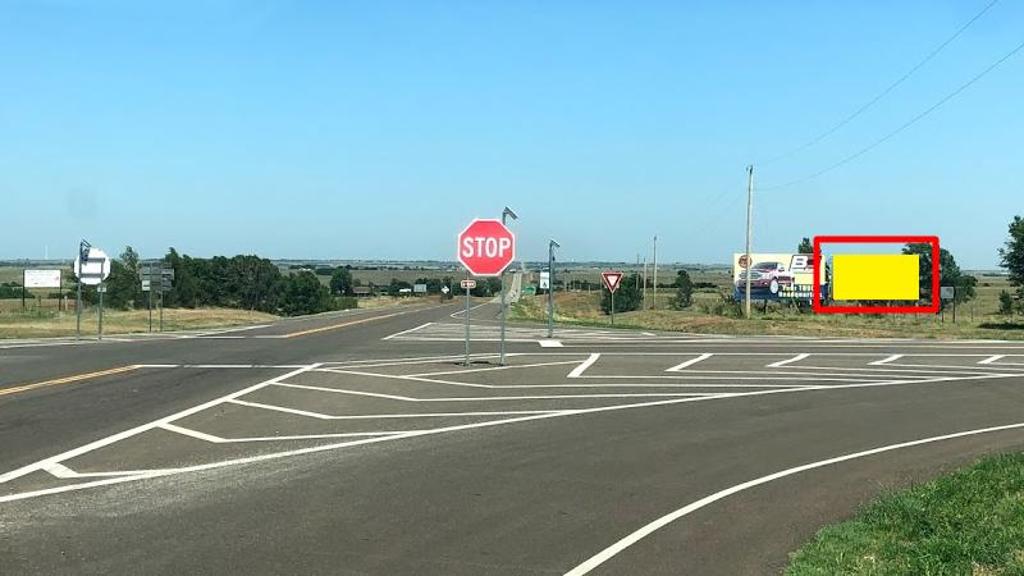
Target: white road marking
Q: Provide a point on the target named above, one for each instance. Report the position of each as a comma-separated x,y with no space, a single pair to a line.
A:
344,391
328,366
550,343
737,375
579,370
19,472
609,552
220,440
480,398
684,365
992,359
462,312
410,330
322,416
885,360
489,369
782,363
60,471
489,423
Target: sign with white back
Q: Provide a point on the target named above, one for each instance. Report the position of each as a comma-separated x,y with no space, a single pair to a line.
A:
95,269
42,279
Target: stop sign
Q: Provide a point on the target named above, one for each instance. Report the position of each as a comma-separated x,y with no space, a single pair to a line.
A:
486,247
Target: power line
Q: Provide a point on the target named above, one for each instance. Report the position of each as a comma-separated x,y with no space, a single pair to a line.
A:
885,92
903,126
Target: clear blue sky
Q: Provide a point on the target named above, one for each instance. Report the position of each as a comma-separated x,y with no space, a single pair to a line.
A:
378,129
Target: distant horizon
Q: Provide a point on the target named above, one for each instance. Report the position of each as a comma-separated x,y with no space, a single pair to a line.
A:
454,263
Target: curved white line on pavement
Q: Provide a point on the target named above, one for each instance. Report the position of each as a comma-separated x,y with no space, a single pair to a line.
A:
610,552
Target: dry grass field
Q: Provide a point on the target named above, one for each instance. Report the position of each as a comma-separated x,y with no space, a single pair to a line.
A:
45,322
976,319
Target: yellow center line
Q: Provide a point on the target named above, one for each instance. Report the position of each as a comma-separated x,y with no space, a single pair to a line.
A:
68,379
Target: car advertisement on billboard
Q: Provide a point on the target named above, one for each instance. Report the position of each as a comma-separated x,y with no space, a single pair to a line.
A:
775,276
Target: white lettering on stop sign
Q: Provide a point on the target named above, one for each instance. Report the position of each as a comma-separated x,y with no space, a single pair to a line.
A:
486,247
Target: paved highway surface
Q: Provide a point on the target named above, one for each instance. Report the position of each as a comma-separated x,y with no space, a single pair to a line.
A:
358,443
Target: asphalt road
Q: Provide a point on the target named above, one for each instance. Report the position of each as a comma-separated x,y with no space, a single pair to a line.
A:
358,443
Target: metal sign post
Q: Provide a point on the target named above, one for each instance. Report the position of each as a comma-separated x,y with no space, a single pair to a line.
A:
948,293
468,284
551,287
485,248
91,267
148,287
101,290
612,281
501,349
83,255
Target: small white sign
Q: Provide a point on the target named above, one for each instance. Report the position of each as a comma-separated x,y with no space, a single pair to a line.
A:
145,285
545,280
419,288
467,284
42,279
445,289
947,292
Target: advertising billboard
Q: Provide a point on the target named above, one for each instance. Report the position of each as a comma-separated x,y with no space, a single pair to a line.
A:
774,276
42,279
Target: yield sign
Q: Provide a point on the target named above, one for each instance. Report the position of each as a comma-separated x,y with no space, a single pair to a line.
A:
612,280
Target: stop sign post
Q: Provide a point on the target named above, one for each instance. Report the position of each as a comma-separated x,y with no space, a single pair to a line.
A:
485,248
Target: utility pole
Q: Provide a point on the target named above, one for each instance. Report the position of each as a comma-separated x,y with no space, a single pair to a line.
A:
654,301
750,208
551,287
638,270
643,298
501,354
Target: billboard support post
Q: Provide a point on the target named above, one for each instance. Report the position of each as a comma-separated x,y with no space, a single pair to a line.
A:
654,301
750,207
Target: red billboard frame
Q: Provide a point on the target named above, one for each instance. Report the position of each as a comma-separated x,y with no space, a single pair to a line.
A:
930,308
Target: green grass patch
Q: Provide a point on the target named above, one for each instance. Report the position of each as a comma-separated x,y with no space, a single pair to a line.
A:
970,522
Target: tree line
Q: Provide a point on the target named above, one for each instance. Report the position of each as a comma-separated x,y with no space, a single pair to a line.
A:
244,281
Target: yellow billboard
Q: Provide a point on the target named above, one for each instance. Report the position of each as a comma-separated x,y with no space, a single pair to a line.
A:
875,277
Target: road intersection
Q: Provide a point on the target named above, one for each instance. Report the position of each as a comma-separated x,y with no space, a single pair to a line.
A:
361,444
